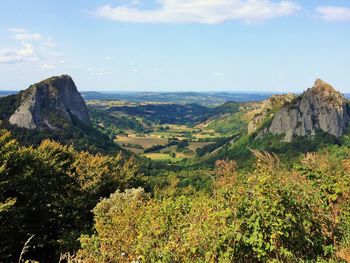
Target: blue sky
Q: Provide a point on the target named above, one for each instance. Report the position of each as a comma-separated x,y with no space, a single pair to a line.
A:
176,45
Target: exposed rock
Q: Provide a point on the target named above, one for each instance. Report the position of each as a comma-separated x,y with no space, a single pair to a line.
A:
267,108
51,104
318,108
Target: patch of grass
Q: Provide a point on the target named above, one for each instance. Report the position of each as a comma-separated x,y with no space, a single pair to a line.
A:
163,157
146,142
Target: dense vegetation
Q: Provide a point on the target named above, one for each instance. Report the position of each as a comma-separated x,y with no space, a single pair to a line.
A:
112,125
189,114
241,198
48,192
83,137
271,214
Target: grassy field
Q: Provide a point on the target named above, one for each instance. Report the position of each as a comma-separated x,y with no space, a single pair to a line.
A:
193,146
162,157
146,142
137,143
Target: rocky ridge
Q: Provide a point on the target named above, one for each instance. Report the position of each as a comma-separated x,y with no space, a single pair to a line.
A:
267,109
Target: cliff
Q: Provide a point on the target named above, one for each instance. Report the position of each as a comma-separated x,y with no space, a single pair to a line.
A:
318,108
267,108
52,104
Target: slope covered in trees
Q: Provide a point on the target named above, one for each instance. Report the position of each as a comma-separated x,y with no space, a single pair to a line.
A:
48,193
271,214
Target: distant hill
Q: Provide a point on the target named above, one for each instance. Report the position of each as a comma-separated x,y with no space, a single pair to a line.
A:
202,98
7,92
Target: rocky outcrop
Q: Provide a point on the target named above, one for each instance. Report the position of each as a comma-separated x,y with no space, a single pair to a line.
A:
52,103
267,109
318,108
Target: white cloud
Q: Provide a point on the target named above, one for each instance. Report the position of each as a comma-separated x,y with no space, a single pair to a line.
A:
47,67
22,34
49,44
99,72
27,37
201,11
73,66
158,70
218,74
30,47
17,55
333,13
108,58
17,30
27,50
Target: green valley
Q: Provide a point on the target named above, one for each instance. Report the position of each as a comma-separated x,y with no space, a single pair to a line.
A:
124,181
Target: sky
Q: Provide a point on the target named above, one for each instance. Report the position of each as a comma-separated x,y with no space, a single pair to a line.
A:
176,45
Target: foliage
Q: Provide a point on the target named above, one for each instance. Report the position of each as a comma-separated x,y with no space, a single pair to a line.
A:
112,125
188,114
49,192
82,137
288,152
271,214
230,123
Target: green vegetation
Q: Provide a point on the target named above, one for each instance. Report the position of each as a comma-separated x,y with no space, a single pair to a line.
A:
8,106
154,127
205,99
196,188
188,114
112,125
288,152
271,214
49,192
81,136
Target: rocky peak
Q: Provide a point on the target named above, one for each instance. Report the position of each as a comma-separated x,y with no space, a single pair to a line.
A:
51,103
323,91
321,86
318,108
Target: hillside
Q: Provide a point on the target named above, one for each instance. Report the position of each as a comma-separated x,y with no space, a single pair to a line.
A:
212,184
289,125
52,108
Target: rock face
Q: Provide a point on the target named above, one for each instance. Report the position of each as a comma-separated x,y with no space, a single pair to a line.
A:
52,104
267,108
318,108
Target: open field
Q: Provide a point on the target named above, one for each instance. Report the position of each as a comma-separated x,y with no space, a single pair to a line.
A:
162,157
146,142
193,146
138,143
